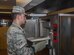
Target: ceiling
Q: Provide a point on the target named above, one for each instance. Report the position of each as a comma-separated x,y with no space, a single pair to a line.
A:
53,5
10,3
59,4
22,2
7,2
6,5
33,3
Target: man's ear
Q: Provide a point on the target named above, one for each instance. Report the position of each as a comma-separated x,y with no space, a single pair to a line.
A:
18,17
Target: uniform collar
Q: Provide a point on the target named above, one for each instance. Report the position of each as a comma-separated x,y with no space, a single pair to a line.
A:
15,24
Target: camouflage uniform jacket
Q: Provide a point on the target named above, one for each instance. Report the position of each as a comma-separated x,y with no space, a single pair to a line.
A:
16,41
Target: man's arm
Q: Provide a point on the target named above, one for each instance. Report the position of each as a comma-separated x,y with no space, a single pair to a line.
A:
18,39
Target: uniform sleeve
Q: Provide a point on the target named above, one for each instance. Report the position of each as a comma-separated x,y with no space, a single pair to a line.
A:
19,40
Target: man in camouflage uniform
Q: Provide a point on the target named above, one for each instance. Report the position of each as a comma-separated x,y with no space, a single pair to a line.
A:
16,41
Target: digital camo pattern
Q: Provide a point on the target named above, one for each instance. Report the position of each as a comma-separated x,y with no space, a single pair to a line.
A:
16,41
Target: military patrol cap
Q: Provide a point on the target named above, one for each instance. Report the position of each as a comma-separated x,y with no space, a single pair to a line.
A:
18,9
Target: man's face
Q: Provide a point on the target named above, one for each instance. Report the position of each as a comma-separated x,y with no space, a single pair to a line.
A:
23,19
